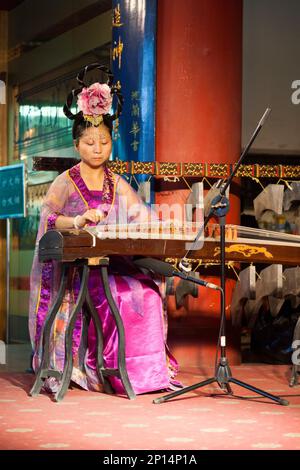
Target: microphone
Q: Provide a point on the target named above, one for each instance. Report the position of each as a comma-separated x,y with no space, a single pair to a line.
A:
167,270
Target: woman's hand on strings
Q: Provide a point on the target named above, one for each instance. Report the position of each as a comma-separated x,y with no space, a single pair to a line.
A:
91,215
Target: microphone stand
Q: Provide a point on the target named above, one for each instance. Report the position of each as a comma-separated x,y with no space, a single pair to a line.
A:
219,208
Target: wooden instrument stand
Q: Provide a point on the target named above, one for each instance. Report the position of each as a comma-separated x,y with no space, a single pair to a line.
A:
84,302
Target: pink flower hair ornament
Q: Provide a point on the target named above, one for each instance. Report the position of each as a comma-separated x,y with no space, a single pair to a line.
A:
96,100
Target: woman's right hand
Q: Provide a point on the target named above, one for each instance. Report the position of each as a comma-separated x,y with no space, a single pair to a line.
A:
91,215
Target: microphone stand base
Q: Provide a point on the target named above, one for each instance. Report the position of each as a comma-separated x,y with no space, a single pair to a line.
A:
224,378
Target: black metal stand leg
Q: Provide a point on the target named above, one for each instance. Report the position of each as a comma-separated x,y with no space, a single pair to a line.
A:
183,390
99,354
121,336
223,377
68,366
229,389
278,400
223,374
44,370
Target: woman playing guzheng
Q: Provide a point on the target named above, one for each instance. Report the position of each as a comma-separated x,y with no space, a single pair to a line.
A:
88,194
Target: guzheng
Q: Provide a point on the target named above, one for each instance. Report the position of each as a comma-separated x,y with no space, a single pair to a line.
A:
243,244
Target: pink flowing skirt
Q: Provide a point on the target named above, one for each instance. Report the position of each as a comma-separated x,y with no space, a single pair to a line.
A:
149,366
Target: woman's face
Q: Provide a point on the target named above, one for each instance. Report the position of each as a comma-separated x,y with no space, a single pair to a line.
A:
94,146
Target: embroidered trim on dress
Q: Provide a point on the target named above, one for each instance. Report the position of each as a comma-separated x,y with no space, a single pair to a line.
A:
51,221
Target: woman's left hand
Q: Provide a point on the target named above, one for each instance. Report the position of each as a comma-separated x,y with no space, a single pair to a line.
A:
92,215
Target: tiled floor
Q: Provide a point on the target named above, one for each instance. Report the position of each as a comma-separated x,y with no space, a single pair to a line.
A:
205,418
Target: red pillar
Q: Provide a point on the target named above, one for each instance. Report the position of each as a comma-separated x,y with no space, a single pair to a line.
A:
199,89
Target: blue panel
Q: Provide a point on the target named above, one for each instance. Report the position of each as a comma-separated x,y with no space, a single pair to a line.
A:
134,66
12,191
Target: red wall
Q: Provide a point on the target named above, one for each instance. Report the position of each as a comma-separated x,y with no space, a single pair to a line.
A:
199,80
199,93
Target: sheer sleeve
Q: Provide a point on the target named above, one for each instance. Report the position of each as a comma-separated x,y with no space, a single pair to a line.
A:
54,203
137,210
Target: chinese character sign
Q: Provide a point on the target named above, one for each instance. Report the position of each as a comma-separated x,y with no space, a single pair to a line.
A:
12,191
134,62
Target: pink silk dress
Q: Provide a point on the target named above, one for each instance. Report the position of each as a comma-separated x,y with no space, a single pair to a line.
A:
149,364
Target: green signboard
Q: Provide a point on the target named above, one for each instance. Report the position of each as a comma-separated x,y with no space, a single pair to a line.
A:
12,191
